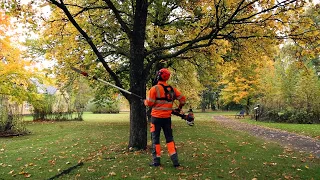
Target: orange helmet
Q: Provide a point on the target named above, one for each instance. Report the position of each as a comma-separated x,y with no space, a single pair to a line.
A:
164,74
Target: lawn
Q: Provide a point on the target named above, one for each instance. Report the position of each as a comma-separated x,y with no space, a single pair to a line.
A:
206,151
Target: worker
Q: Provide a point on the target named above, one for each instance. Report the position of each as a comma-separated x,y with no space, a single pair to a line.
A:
160,98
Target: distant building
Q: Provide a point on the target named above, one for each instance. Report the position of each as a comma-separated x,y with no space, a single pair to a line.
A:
42,89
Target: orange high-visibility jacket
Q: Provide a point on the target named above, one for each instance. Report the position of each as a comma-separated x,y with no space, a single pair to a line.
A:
162,108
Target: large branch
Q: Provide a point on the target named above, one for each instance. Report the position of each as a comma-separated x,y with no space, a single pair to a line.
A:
118,17
196,40
84,9
118,50
88,39
299,36
192,44
280,4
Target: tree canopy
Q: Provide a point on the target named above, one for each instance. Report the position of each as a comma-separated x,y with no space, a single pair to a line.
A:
15,73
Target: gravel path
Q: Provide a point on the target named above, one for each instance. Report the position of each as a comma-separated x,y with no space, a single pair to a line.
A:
298,142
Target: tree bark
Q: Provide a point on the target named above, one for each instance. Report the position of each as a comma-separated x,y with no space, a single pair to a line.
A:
138,125
138,119
247,106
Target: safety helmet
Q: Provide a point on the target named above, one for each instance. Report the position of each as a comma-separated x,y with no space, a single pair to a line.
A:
164,74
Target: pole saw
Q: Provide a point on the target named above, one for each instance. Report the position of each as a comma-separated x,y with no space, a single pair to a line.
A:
104,82
189,117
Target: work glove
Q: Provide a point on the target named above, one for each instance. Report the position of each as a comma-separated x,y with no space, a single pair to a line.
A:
176,111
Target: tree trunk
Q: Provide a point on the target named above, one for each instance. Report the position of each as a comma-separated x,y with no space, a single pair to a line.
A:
138,119
203,109
247,106
138,125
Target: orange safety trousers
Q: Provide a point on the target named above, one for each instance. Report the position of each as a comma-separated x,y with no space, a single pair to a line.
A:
155,128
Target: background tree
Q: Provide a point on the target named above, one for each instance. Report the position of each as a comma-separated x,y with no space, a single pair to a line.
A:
242,66
15,84
290,88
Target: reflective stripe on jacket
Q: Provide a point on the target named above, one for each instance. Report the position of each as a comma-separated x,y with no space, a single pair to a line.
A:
162,108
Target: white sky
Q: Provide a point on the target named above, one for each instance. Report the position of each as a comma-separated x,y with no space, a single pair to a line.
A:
43,63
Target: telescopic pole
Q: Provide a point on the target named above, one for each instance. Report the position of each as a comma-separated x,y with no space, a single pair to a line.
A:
104,82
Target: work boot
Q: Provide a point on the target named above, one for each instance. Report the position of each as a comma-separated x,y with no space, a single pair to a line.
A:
174,159
176,165
155,162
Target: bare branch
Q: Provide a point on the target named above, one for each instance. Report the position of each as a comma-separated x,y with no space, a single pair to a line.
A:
88,39
280,4
118,17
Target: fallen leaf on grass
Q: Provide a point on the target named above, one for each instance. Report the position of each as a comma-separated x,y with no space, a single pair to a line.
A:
19,159
311,156
27,175
91,170
124,176
233,161
52,162
232,170
182,174
282,156
145,177
112,173
270,163
11,172
288,177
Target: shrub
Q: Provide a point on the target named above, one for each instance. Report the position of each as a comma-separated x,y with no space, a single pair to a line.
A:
285,115
269,115
301,117
290,116
107,107
11,123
